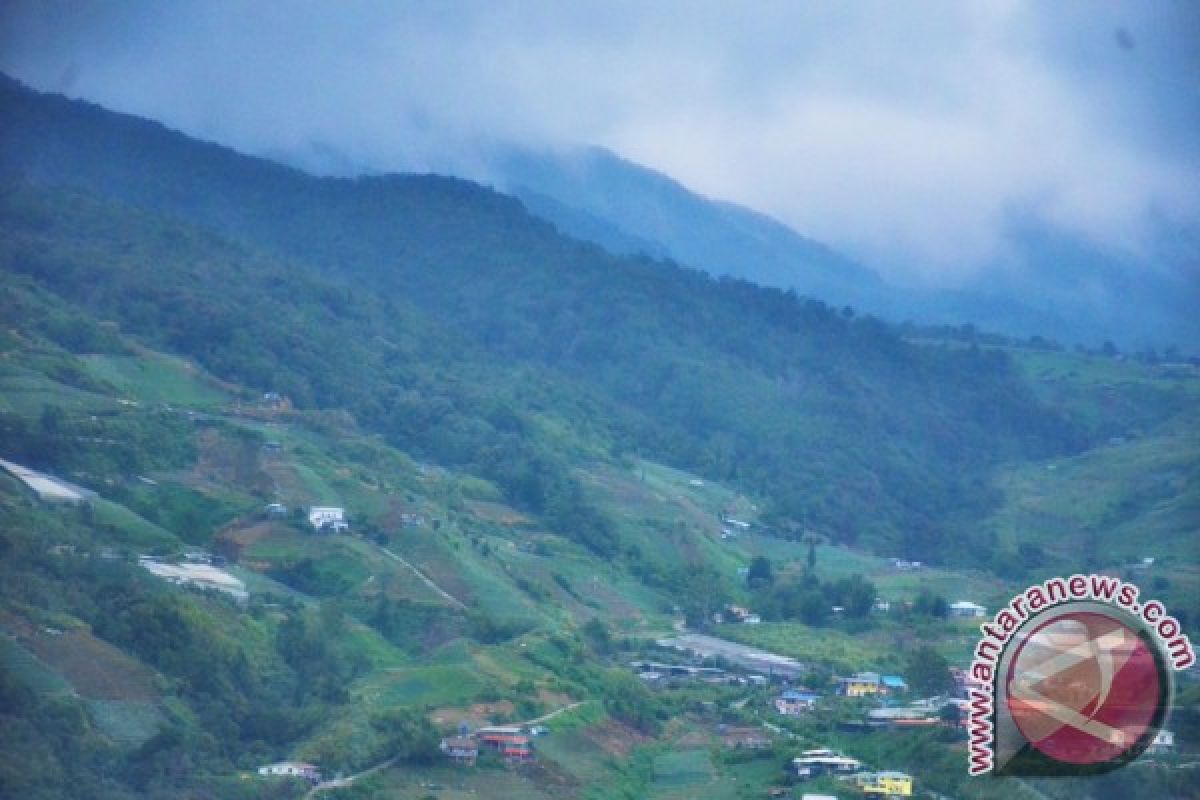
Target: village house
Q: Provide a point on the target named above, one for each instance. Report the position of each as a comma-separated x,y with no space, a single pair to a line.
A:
276,401
886,784
276,510
903,717
652,678
870,684
1163,744
964,608
815,763
744,738
328,518
292,769
510,741
964,682
460,749
196,556
652,671
794,702
741,614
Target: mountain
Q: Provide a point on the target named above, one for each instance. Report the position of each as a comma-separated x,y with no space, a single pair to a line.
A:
489,321
445,604
1049,283
647,206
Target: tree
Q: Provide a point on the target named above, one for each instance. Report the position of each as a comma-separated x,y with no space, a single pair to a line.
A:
760,575
595,632
700,591
931,605
856,594
927,672
813,608
408,735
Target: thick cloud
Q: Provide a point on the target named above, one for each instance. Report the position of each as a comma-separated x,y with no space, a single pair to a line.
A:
905,133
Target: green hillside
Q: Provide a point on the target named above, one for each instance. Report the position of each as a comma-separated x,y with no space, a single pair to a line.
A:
466,331
550,459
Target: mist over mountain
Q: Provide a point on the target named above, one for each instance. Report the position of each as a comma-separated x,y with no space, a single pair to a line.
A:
1049,282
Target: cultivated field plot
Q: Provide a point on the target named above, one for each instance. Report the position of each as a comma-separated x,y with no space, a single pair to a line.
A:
1130,499
439,685
29,669
450,783
128,722
156,378
26,393
95,669
686,775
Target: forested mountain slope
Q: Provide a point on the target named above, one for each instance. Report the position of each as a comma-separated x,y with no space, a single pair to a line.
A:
841,423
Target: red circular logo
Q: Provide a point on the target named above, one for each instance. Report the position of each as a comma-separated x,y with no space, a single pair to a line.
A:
1084,688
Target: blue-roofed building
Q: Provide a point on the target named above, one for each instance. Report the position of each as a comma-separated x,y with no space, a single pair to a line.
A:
893,683
793,702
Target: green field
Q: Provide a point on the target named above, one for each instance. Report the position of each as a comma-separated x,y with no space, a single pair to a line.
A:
438,685
130,723
1136,497
685,774
130,529
26,392
29,669
155,378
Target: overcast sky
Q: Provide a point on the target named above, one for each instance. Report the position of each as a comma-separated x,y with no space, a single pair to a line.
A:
900,132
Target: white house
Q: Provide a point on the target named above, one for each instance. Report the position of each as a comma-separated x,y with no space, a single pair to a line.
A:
964,608
815,763
292,769
1163,744
328,518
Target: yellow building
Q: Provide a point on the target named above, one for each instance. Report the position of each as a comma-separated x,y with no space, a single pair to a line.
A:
860,684
887,784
